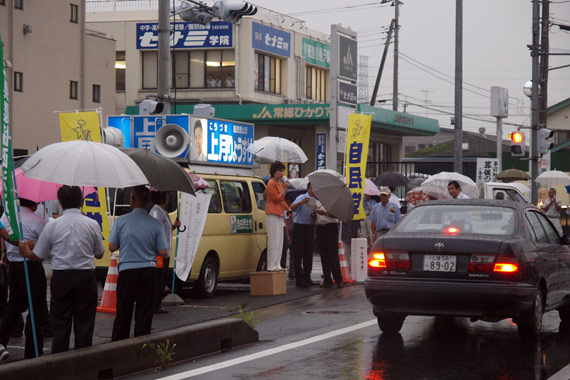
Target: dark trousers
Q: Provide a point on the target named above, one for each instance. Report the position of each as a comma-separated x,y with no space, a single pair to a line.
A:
73,301
18,327
18,303
161,282
303,249
327,243
135,285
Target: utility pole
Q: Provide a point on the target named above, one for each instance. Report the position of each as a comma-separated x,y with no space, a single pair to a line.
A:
164,54
396,35
534,99
458,138
379,76
544,50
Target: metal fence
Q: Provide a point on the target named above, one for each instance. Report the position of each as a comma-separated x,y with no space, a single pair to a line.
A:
418,169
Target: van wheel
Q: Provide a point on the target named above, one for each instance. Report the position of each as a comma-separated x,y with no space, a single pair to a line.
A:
262,264
208,281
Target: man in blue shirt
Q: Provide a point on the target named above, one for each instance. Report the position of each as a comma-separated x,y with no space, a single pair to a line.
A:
303,238
141,239
384,215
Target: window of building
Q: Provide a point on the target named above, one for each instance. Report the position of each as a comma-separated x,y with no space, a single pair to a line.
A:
3,2
316,84
74,15
73,89
268,78
19,4
96,93
120,70
18,81
220,68
150,69
181,69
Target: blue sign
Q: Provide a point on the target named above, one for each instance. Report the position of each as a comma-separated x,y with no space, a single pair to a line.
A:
122,123
187,35
321,156
144,130
221,141
271,40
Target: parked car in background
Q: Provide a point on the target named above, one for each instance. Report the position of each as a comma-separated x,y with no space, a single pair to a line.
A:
481,259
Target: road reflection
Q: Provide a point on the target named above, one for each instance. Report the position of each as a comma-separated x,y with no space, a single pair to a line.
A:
455,349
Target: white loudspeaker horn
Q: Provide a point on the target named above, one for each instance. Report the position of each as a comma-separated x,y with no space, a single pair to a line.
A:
114,137
171,140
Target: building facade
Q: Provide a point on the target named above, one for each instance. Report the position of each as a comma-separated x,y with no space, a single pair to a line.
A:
53,64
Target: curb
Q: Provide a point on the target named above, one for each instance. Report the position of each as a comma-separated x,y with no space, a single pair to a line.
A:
110,360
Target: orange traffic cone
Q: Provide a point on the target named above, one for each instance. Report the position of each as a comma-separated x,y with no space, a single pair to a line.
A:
343,266
109,299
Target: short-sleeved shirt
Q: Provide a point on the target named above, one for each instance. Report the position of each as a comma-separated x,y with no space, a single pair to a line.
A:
462,196
162,216
72,240
382,218
302,215
139,237
32,227
323,219
552,211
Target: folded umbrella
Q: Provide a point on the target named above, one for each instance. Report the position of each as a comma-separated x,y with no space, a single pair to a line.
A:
333,194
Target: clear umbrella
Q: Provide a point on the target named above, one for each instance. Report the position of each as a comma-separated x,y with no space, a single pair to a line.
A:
333,194
277,149
553,178
437,184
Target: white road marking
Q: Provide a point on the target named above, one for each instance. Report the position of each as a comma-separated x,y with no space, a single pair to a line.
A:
271,351
563,374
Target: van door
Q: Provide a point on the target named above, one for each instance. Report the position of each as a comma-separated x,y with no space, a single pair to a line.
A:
259,230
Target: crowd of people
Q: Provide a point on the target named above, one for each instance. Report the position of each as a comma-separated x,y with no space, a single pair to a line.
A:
73,241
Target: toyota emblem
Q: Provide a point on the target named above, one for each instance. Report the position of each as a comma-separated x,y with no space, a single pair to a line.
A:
439,246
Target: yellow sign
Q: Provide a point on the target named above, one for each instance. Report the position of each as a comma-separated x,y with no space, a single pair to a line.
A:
85,126
357,138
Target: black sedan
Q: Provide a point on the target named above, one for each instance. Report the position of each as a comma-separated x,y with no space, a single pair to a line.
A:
483,259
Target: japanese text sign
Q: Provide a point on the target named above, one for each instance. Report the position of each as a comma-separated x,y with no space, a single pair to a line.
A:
321,152
316,53
187,35
146,127
357,138
271,40
487,169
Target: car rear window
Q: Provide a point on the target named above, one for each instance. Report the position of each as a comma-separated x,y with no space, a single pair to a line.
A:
459,219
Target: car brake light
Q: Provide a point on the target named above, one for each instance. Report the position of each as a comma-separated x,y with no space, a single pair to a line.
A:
451,231
390,260
378,260
506,267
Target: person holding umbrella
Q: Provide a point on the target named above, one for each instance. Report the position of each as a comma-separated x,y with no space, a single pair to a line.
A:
454,189
551,208
327,242
274,212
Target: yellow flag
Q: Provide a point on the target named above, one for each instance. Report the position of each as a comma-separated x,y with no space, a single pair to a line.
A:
85,126
357,138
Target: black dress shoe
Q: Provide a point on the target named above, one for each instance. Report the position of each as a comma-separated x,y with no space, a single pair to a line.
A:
326,284
340,285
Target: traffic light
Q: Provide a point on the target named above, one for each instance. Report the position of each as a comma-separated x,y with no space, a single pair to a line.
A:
517,143
542,143
233,11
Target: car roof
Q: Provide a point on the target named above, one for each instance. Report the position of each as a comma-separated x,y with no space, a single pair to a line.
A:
478,202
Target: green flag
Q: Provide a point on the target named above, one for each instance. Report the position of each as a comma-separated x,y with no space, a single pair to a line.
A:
10,196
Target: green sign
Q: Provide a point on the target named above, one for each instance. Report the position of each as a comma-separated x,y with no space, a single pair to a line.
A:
316,53
241,224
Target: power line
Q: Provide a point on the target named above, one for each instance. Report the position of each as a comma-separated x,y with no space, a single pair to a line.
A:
340,9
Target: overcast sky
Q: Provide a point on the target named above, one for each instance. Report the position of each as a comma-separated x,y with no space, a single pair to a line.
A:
496,34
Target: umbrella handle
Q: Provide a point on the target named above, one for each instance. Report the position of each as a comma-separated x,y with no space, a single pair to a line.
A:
182,229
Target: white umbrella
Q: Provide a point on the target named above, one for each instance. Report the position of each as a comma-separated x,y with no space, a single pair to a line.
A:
84,163
277,149
301,183
437,184
553,178
333,194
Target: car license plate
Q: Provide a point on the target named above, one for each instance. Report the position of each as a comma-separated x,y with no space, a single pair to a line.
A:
439,263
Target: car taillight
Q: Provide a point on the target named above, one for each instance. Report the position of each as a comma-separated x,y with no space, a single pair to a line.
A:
390,260
505,264
482,263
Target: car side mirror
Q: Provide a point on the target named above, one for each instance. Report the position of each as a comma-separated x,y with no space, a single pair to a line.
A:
566,239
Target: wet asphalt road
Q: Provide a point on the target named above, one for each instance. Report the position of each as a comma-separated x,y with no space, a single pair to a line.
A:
298,341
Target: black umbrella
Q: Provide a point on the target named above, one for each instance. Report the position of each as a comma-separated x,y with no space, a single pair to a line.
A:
391,179
162,173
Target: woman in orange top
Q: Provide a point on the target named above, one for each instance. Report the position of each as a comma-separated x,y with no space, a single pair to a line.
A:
274,213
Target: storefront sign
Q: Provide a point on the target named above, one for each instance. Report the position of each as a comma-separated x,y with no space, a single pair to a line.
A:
316,53
187,35
487,169
358,136
271,40
241,224
347,58
292,112
347,93
221,141
321,151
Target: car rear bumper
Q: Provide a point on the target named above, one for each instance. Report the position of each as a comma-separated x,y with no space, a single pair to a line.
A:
488,301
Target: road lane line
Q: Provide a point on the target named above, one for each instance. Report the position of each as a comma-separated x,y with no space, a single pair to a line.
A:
271,351
563,374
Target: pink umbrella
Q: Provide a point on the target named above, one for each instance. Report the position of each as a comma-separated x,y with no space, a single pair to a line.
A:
416,196
370,187
39,191
199,182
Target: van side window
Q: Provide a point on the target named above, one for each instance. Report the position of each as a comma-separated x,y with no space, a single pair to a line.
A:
215,202
259,190
236,197
514,196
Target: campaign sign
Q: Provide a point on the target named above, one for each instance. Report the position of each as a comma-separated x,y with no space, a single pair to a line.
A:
321,155
271,40
144,130
221,141
122,123
187,35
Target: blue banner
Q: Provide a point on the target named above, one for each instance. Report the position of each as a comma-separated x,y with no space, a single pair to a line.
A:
321,156
271,40
144,130
122,123
187,35
221,141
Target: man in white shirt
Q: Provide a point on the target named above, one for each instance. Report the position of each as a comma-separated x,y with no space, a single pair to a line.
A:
327,243
551,208
454,189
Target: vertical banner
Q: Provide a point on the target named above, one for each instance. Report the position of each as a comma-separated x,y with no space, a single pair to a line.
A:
357,138
85,126
10,197
193,213
321,156
487,169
